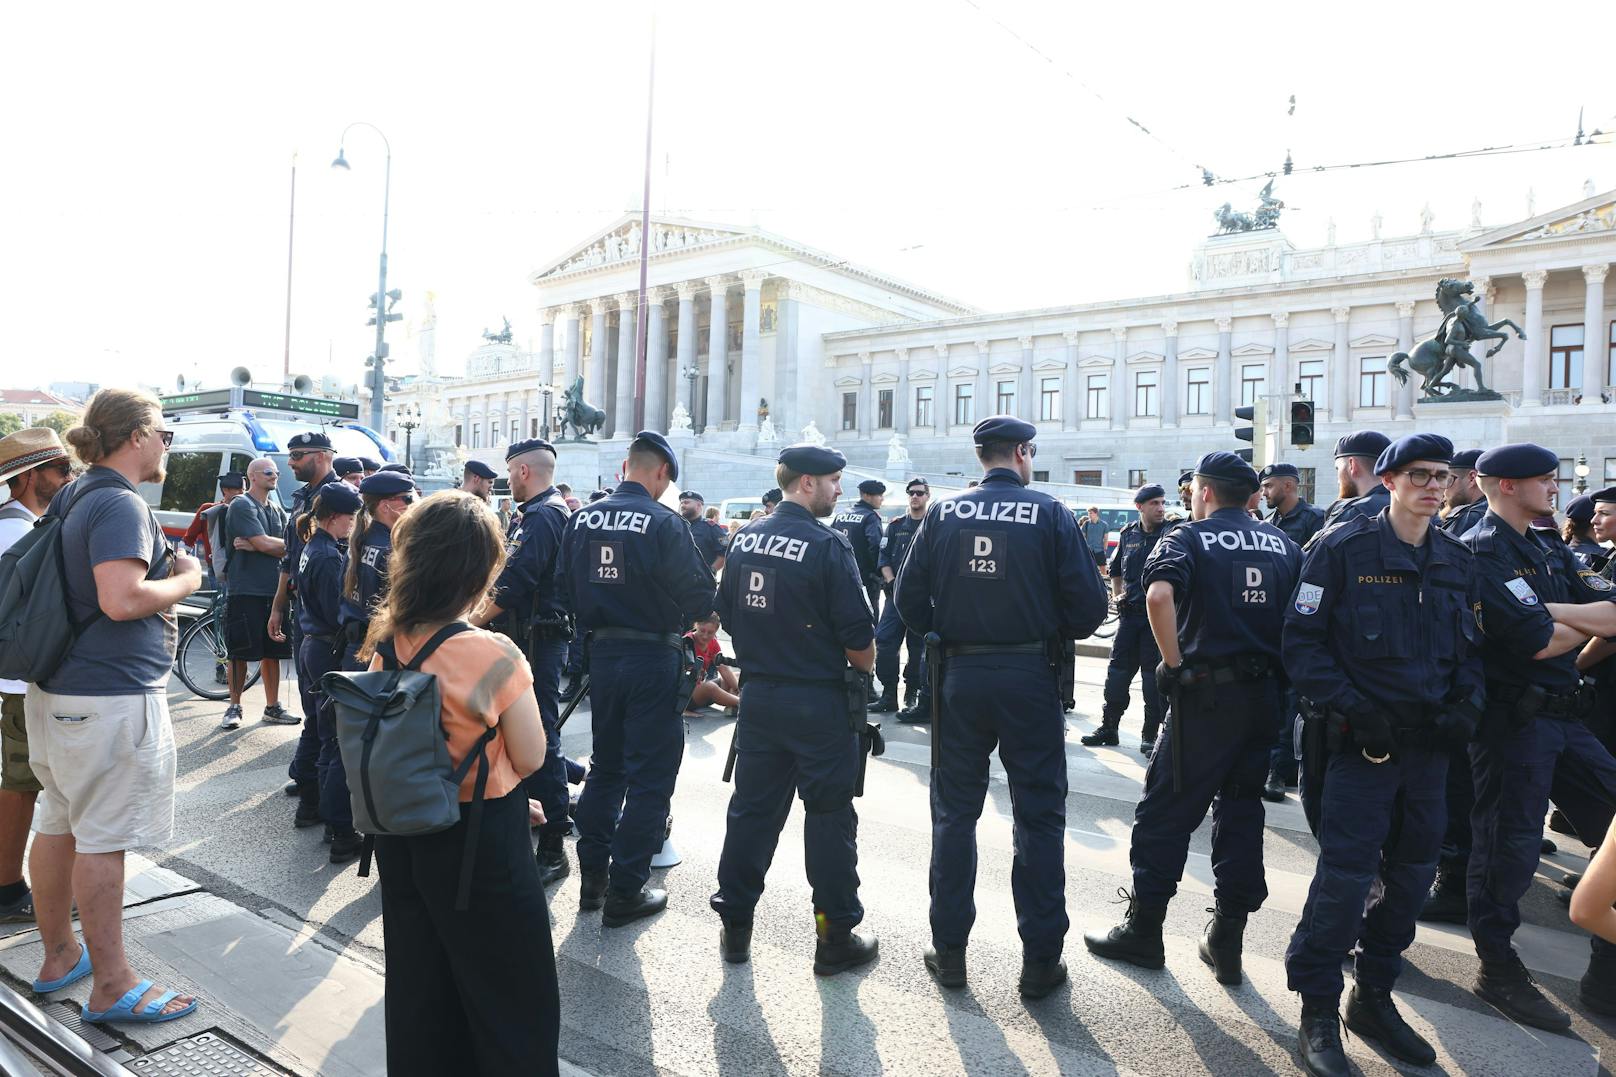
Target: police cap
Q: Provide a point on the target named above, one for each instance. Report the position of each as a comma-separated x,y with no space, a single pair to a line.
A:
346,465
1227,467
232,480
1003,428
1580,510
807,459
1465,460
479,469
386,484
1279,471
773,496
402,469
1523,461
650,439
691,495
1370,443
338,497
370,463
1186,478
310,439
1405,451
1148,492
872,486
1607,495
521,448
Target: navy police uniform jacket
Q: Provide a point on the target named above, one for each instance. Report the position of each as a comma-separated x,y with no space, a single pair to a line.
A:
1231,577
1518,574
370,574
1300,524
792,599
628,562
302,498
1374,621
1000,564
1371,504
1134,547
895,547
708,537
862,526
528,589
1461,520
320,566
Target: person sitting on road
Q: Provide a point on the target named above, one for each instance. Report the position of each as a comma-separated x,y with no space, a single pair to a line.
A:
719,683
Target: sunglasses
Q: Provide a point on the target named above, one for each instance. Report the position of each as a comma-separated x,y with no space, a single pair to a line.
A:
408,499
298,454
166,435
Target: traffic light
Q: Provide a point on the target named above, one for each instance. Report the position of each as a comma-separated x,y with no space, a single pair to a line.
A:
1301,423
1256,433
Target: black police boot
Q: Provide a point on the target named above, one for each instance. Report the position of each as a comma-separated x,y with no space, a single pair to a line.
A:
1508,986
1137,940
624,908
573,689
888,702
1274,788
552,860
345,845
591,888
1560,824
735,941
1147,738
1370,1014
841,948
915,714
290,789
1040,976
308,806
909,694
1320,1040
1221,945
946,964
1446,903
1105,736
1548,847
1598,984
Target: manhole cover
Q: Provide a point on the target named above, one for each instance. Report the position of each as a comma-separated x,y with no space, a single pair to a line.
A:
208,1055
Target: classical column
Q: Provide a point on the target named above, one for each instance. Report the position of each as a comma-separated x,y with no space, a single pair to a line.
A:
1028,398
621,419
570,372
751,365
984,384
595,381
1223,375
792,392
1072,398
1405,344
866,395
1595,336
526,428
686,358
1119,378
900,395
717,354
656,361
1534,356
546,345
465,426
1169,379
1341,358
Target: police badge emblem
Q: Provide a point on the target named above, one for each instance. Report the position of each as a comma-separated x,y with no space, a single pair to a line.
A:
1522,590
1308,597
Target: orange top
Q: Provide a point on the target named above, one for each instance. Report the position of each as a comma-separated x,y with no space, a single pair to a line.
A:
480,674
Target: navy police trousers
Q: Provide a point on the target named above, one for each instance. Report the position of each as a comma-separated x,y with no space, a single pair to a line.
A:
548,784
1133,649
890,634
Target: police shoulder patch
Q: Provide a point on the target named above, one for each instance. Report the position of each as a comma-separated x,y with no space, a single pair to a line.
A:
1308,597
1522,591
1594,580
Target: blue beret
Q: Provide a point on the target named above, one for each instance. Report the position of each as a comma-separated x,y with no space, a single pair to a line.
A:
1414,447
386,484
1279,471
480,469
1148,492
650,439
773,496
691,495
370,463
1186,478
1003,428
1227,467
402,469
232,480
1608,494
807,459
1466,459
338,497
872,486
1522,461
346,465
1370,443
1580,510
310,439
522,447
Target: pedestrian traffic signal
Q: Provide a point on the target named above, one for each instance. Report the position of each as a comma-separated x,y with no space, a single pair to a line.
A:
1302,423
1256,433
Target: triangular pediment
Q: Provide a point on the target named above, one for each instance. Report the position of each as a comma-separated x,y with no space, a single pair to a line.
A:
1596,213
1197,353
1005,368
1096,360
849,381
1050,364
1311,344
962,372
1374,340
886,377
1246,350
1146,357
621,242
923,375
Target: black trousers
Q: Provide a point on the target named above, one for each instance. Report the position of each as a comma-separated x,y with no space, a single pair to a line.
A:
469,992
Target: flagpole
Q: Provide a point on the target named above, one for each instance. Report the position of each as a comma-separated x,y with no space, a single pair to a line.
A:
645,242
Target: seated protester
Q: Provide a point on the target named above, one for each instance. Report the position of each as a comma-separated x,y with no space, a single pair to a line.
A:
474,992
719,683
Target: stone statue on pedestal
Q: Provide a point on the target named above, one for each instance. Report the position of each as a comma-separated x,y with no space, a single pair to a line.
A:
767,435
811,434
898,453
679,422
578,413
1462,326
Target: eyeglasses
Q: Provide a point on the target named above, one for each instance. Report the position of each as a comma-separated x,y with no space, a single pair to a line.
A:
1421,476
166,435
408,499
1032,450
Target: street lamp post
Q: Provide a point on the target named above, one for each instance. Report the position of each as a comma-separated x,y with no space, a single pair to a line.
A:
379,360
1581,471
690,374
409,422
546,391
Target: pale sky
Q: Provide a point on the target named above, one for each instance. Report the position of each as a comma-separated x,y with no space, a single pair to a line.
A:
150,146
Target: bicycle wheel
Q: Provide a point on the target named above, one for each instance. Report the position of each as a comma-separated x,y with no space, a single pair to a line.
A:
200,660
1108,627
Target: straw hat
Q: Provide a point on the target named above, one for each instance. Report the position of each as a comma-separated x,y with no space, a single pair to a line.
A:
28,449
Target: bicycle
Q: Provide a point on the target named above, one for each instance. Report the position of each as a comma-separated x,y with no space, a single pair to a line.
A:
201,659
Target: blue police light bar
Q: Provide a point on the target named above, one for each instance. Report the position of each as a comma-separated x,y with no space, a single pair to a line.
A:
385,449
260,437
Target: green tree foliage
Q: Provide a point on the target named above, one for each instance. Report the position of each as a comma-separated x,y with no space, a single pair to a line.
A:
9,423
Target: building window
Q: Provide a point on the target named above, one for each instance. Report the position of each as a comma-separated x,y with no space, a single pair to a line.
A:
1305,483
1145,390
1086,478
923,405
1565,357
1136,477
883,409
964,404
1310,376
1098,407
1610,471
460,435
1005,398
1198,391
533,428
516,430
1049,400
1566,474
1040,476
476,435
1372,381
849,411
1253,382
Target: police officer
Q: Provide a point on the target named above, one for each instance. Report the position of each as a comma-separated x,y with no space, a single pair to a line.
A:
477,479
349,469
1215,592
1538,608
1361,491
528,606
1466,504
794,604
1001,575
636,582
1579,514
385,496
1381,639
771,500
708,536
862,525
890,633
1133,649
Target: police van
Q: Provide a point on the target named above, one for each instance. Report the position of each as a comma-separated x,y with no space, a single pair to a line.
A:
220,430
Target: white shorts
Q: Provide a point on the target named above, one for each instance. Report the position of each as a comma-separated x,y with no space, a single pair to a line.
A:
105,766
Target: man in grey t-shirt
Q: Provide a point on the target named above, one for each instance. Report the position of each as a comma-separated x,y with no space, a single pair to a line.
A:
253,526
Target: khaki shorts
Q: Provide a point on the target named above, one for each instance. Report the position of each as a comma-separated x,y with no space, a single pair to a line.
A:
105,766
16,776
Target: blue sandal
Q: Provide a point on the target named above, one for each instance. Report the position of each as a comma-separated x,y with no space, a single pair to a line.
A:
149,1014
77,973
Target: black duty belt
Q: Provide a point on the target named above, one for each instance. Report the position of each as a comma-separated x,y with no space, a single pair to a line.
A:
667,639
1131,607
1228,670
957,650
1555,702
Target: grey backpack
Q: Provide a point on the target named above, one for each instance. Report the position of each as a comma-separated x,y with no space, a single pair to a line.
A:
400,777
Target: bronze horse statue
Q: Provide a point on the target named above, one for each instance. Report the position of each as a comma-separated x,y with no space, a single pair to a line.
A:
1462,326
583,417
